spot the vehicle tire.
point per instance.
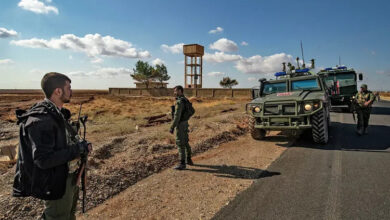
(256, 133)
(320, 129)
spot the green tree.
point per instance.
(143, 72)
(226, 82)
(161, 73)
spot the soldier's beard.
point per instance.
(64, 99)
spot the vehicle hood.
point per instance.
(290, 96)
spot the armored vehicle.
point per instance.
(295, 100)
(343, 84)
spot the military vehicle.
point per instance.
(296, 100)
(343, 82)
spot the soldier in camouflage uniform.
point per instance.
(181, 127)
(364, 100)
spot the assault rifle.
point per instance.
(353, 107)
(82, 171)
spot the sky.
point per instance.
(97, 42)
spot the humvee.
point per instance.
(343, 82)
(296, 100)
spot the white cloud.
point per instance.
(36, 71)
(4, 33)
(70, 57)
(92, 45)
(158, 61)
(216, 74)
(177, 48)
(224, 45)
(220, 57)
(217, 30)
(6, 61)
(37, 6)
(244, 43)
(97, 60)
(107, 72)
(263, 65)
(252, 79)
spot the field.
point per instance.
(130, 137)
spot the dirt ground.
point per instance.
(201, 190)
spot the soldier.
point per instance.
(180, 123)
(364, 100)
(49, 151)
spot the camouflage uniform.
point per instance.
(363, 112)
(181, 130)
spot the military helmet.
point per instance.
(363, 86)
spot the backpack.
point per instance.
(189, 110)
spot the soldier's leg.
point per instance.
(180, 143)
(366, 114)
(187, 146)
(75, 199)
(360, 121)
(61, 209)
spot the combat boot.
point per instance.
(181, 165)
(359, 131)
(189, 161)
(365, 130)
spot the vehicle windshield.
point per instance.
(274, 88)
(342, 76)
(309, 84)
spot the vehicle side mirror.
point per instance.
(360, 76)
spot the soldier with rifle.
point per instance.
(181, 113)
(361, 104)
(50, 151)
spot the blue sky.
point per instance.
(97, 43)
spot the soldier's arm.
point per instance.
(42, 139)
(178, 113)
(371, 99)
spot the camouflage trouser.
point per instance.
(363, 115)
(64, 208)
(182, 141)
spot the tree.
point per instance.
(143, 72)
(161, 73)
(226, 82)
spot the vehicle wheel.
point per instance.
(256, 133)
(320, 130)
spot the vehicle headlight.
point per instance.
(256, 109)
(308, 107)
(316, 105)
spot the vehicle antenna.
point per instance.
(339, 61)
(303, 58)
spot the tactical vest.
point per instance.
(361, 98)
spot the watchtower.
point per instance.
(194, 68)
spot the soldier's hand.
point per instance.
(90, 148)
(84, 147)
(367, 103)
(171, 130)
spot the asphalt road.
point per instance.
(349, 178)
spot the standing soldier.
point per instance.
(49, 151)
(364, 100)
(180, 123)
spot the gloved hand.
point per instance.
(83, 147)
(171, 130)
